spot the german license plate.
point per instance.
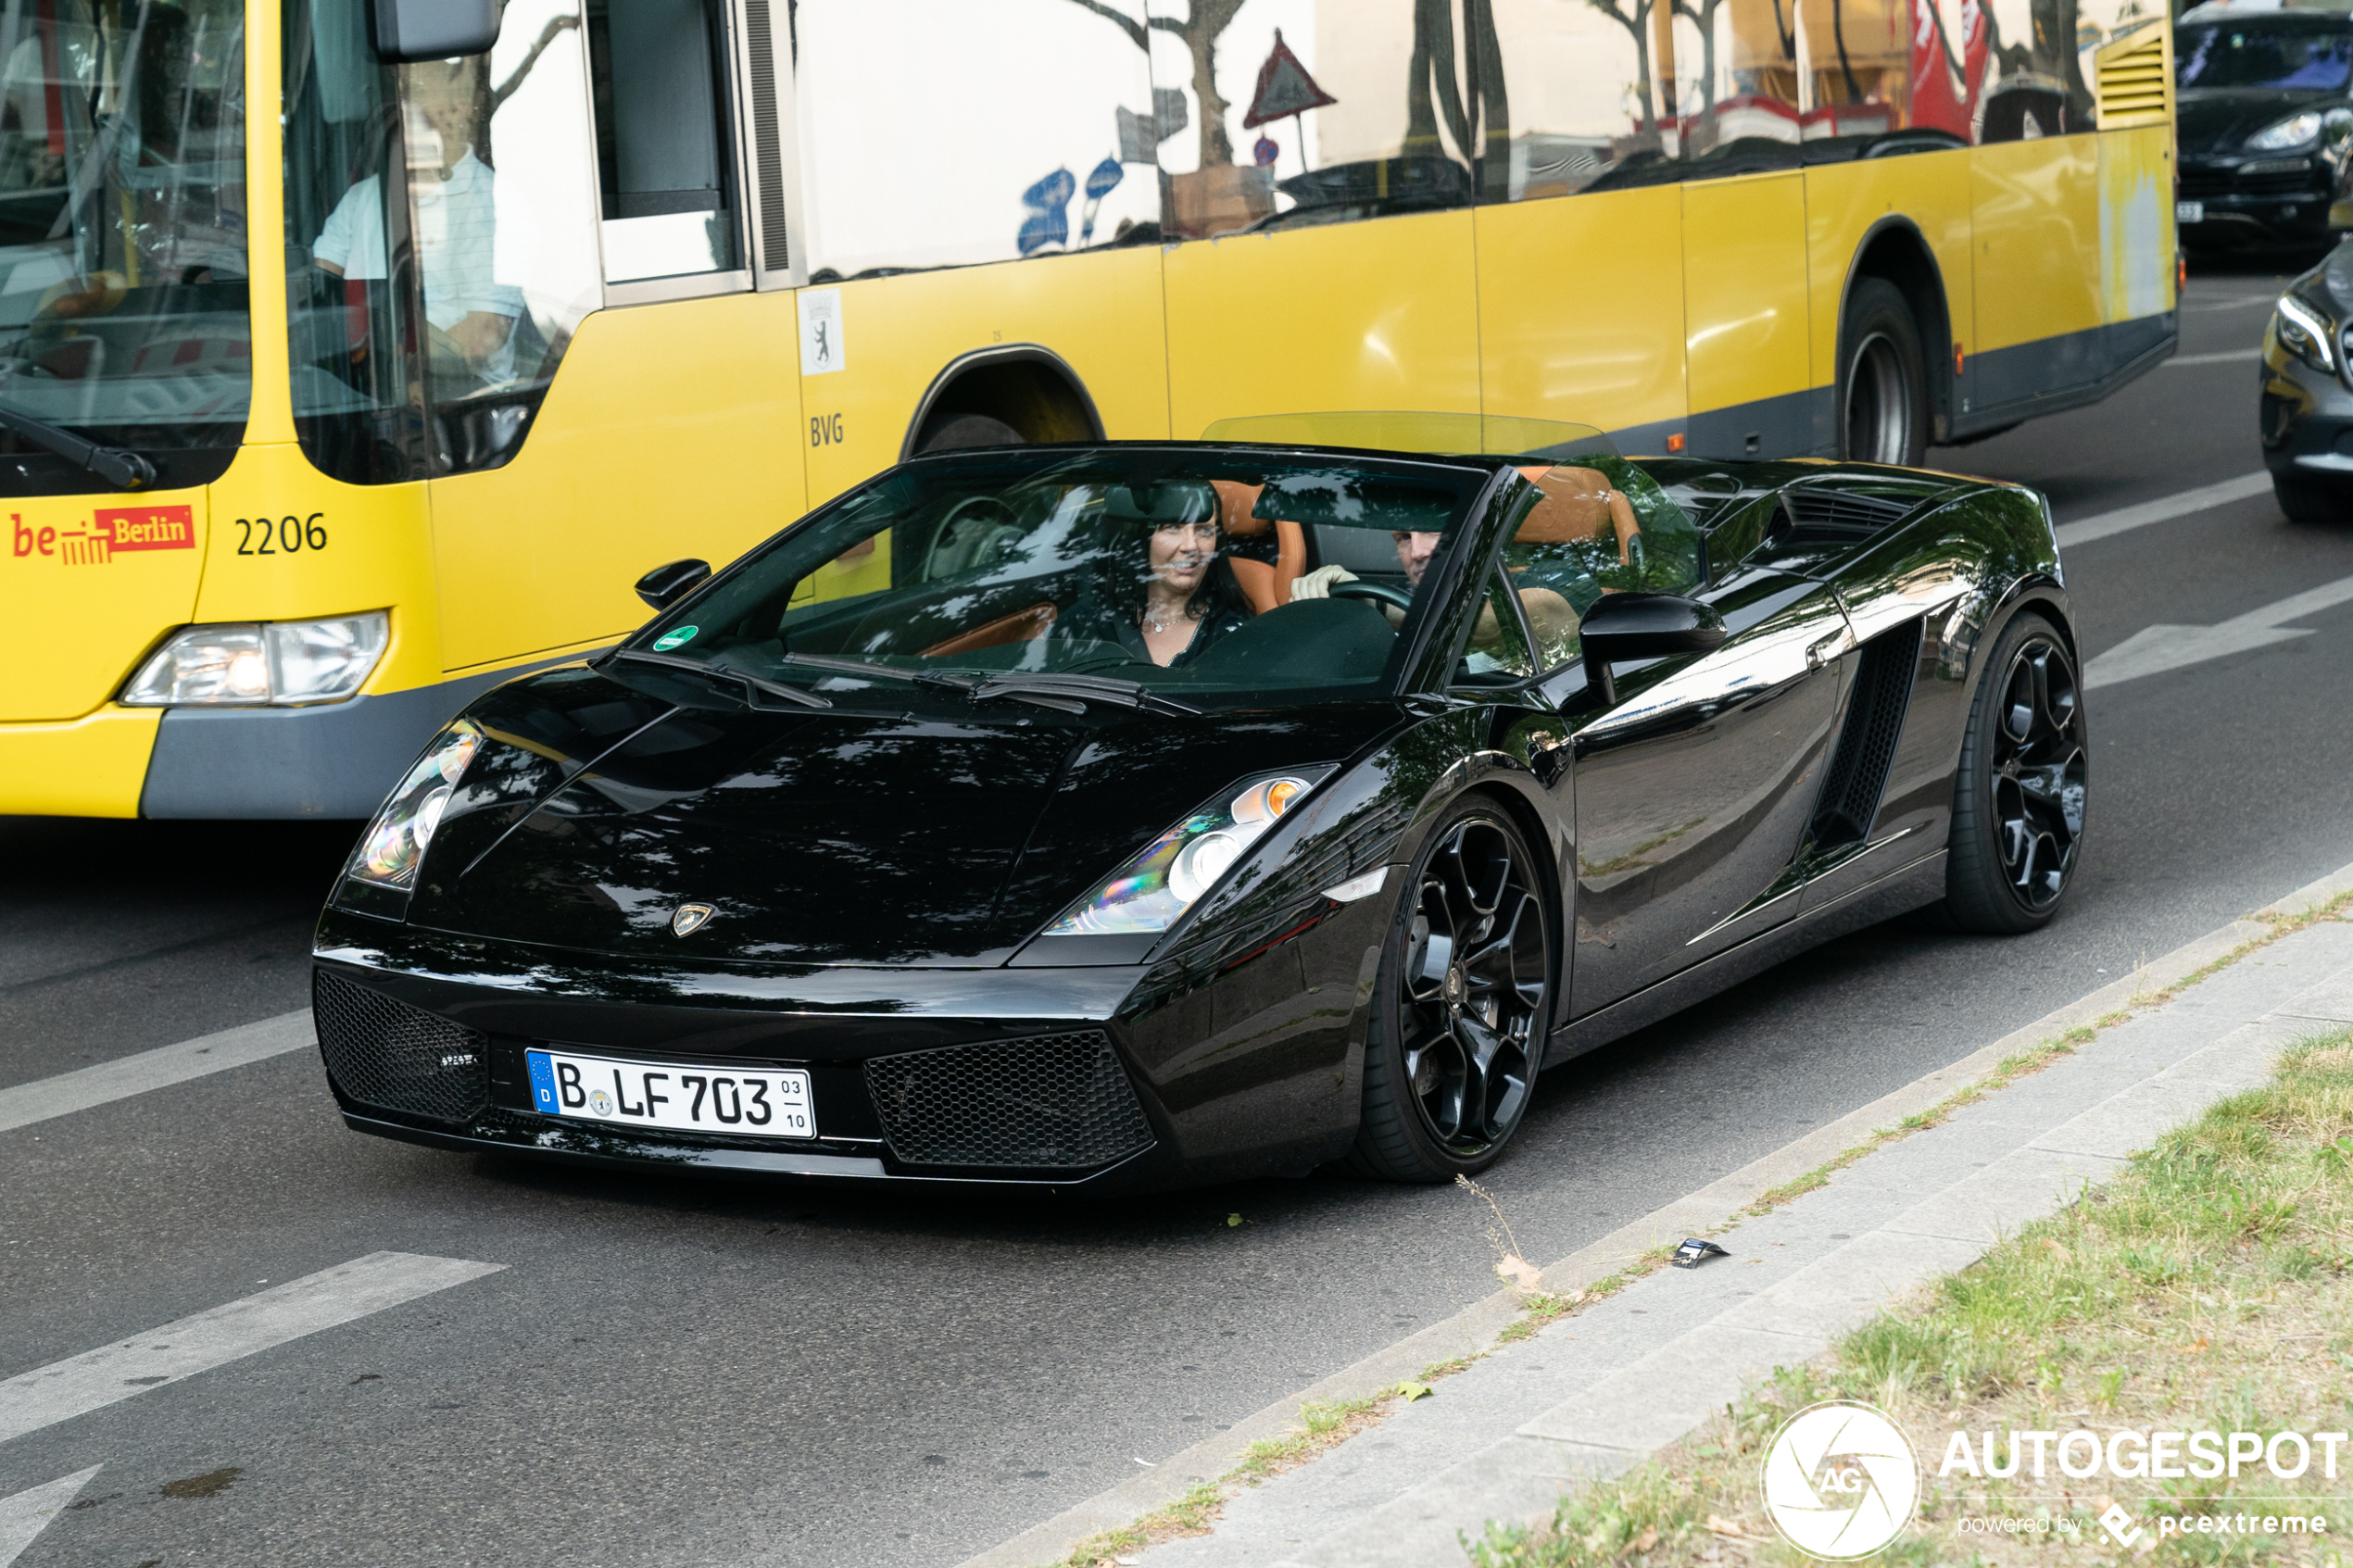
(763, 1102)
(2189, 212)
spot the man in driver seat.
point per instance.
(1577, 503)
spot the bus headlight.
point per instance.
(394, 846)
(278, 663)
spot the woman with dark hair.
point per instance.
(1165, 591)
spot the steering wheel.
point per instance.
(972, 526)
(1388, 593)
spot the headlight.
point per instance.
(280, 663)
(2305, 332)
(2293, 132)
(395, 844)
(1149, 892)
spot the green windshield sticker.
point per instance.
(669, 640)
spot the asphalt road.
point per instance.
(675, 1371)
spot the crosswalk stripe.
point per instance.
(2163, 510)
(29, 1512)
(79, 1090)
(185, 1346)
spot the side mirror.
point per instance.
(433, 29)
(665, 586)
(1626, 626)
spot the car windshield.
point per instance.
(122, 227)
(1204, 575)
(2287, 53)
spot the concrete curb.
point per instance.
(1473, 1328)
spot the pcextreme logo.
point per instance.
(108, 533)
(1841, 1480)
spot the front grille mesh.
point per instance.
(395, 1057)
(1058, 1102)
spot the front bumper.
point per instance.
(2306, 420)
(1089, 1078)
(2263, 209)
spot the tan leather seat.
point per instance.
(1577, 503)
(1263, 585)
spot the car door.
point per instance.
(1694, 792)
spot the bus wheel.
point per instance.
(1882, 389)
(971, 429)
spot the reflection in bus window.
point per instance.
(1317, 113)
(943, 132)
(449, 217)
(663, 153)
(122, 232)
(1591, 96)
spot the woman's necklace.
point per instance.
(1156, 620)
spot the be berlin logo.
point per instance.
(1841, 1480)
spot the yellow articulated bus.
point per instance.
(357, 354)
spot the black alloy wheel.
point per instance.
(1461, 1005)
(1883, 383)
(2018, 808)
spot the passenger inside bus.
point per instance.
(470, 315)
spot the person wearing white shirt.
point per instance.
(454, 193)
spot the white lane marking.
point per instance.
(29, 1512)
(2163, 510)
(165, 1065)
(181, 1349)
(2235, 357)
(2152, 650)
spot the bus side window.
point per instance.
(658, 75)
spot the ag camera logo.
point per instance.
(1841, 1480)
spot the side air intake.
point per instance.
(394, 1057)
(1051, 1102)
(1859, 768)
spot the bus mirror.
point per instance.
(665, 586)
(435, 30)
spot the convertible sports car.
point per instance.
(945, 839)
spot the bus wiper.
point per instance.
(124, 471)
(727, 674)
(1041, 686)
(866, 669)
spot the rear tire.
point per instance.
(962, 431)
(2018, 803)
(2310, 500)
(1883, 381)
(1462, 1004)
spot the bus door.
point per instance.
(1746, 97)
(1324, 208)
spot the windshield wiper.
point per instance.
(862, 668)
(124, 471)
(1041, 686)
(725, 674)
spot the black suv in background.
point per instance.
(2264, 121)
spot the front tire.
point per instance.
(1882, 382)
(1462, 1004)
(2018, 805)
(2310, 500)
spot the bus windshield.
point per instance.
(122, 232)
(1199, 576)
(2287, 53)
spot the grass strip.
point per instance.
(2208, 1286)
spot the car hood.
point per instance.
(2219, 121)
(939, 835)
